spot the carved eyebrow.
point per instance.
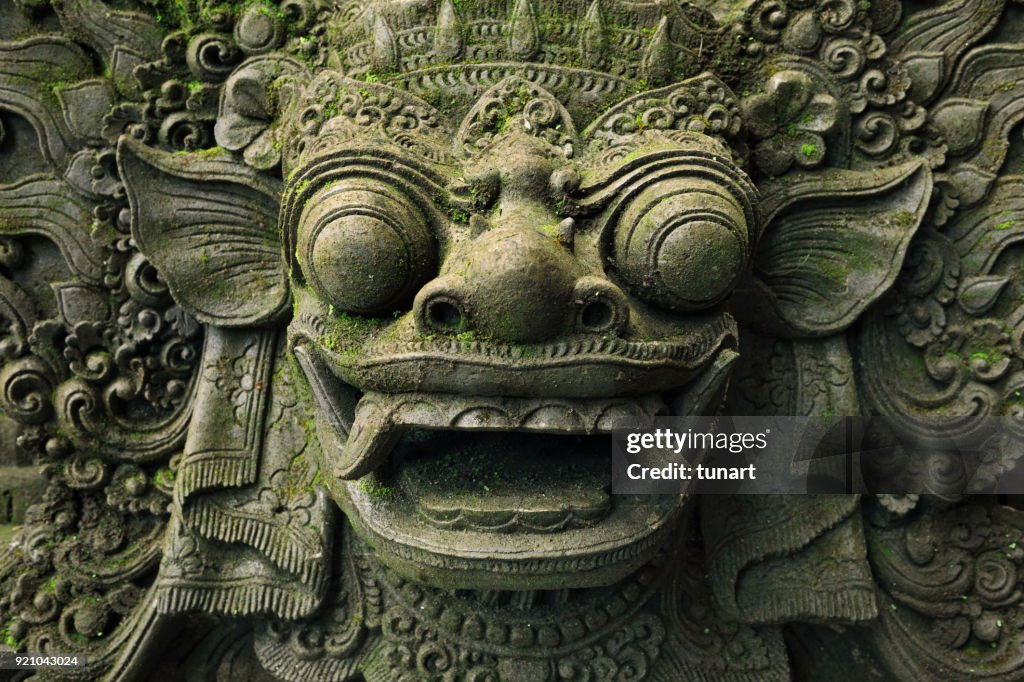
(602, 185)
(422, 181)
(613, 190)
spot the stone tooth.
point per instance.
(524, 32)
(420, 410)
(659, 57)
(448, 34)
(482, 417)
(593, 40)
(613, 416)
(370, 440)
(699, 394)
(554, 419)
(560, 350)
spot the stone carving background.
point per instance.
(144, 364)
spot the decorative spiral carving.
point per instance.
(766, 19)
(433, 659)
(300, 12)
(260, 29)
(144, 282)
(876, 134)
(844, 57)
(944, 472)
(837, 15)
(45, 608)
(25, 387)
(996, 577)
(212, 57)
(81, 473)
(181, 131)
(179, 356)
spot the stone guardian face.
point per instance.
(485, 311)
(317, 316)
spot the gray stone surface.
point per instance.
(8, 441)
(7, 533)
(315, 317)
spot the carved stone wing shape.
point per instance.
(834, 243)
(209, 225)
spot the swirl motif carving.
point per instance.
(860, 199)
(958, 569)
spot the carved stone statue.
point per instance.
(317, 314)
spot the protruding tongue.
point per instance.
(372, 437)
(381, 419)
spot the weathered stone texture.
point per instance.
(315, 317)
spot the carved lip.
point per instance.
(585, 367)
(579, 538)
(381, 419)
(617, 541)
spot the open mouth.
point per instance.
(484, 491)
(505, 510)
(501, 482)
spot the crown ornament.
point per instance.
(588, 56)
(781, 70)
(626, 42)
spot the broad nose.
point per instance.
(518, 285)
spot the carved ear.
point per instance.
(209, 225)
(834, 243)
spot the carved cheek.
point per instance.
(363, 247)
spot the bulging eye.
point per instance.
(682, 243)
(364, 247)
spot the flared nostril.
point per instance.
(596, 316)
(444, 315)
(601, 306)
(440, 306)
